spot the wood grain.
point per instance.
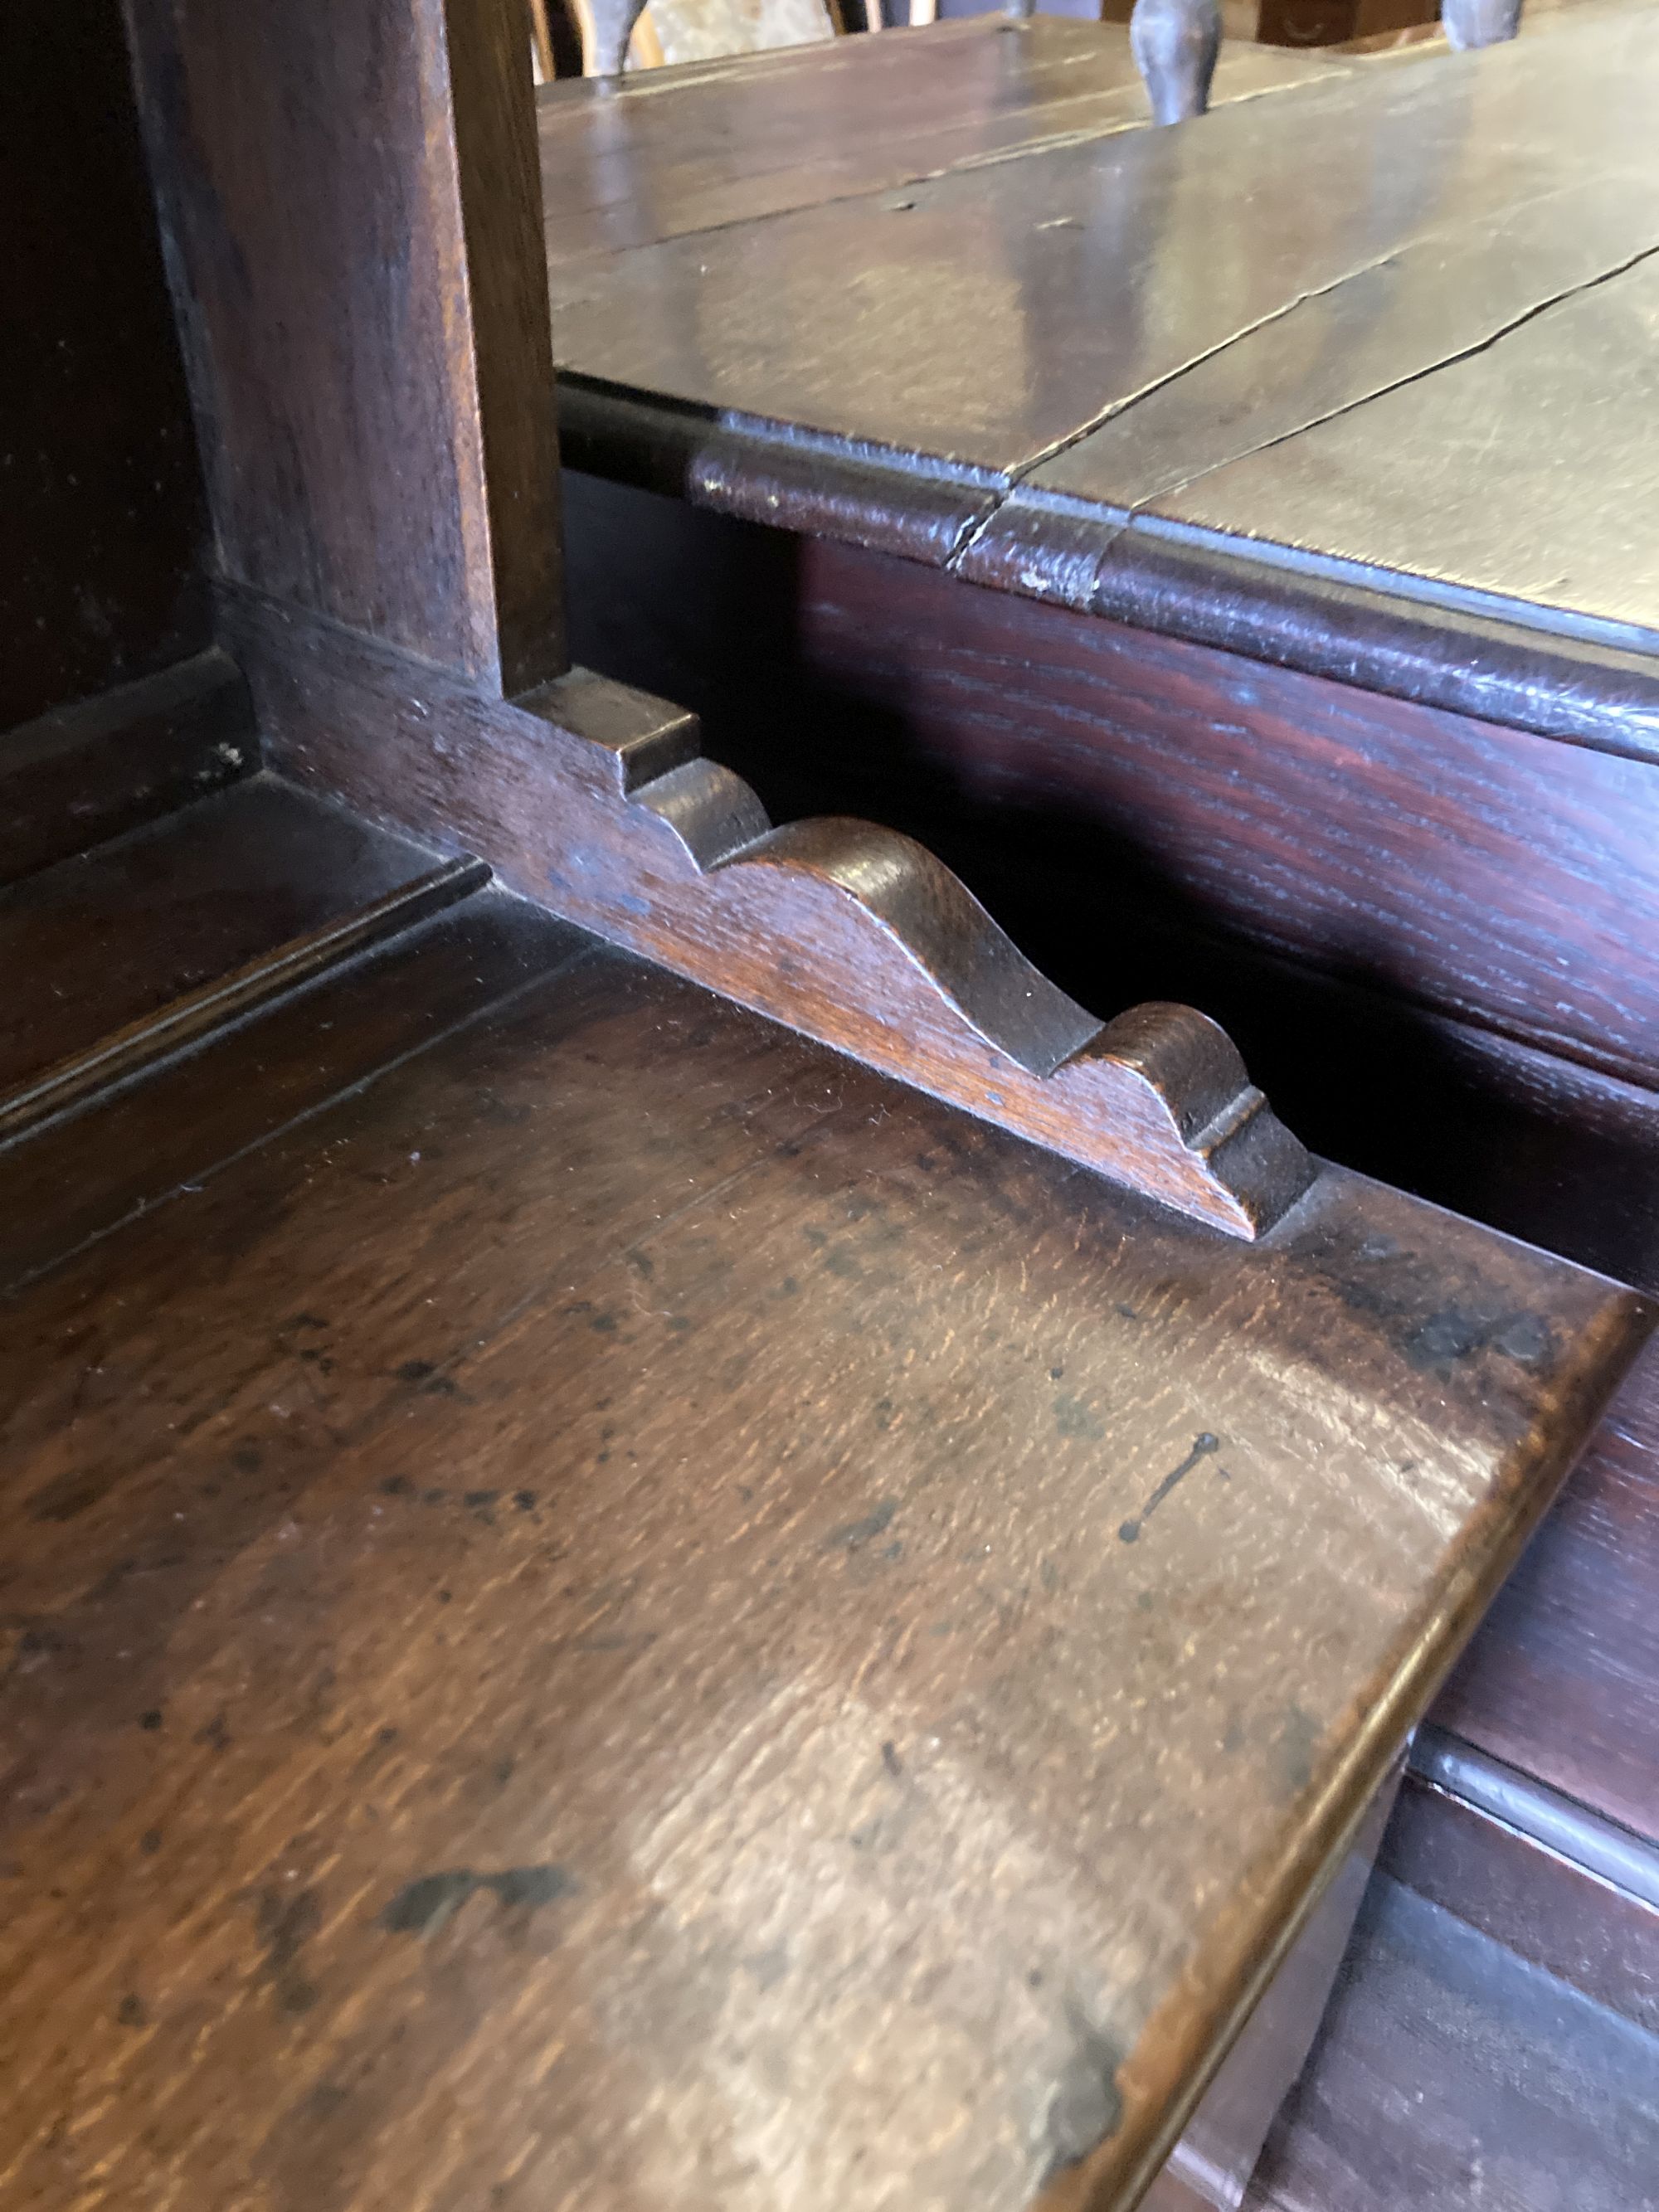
(440, 1732)
(373, 452)
(76, 1181)
(1096, 779)
(83, 774)
(136, 1047)
(596, 800)
(1218, 460)
(1564, 1679)
(1537, 1904)
(1448, 2067)
(112, 937)
(749, 139)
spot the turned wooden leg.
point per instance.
(1471, 23)
(613, 22)
(1175, 43)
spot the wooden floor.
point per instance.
(197, 1621)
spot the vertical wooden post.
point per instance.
(351, 211)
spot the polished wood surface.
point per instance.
(373, 452)
(737, 140)
(104, 940)
(388, 1601)
(1217, 457)
(411, 1296)
(101, 512)
(135, 1046)
(1209, 2167)
(1085, 779)
(339, 1028)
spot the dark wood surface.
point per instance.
(367, 346)
(1483, 872)
(1564, 1679)
(599, 803)
(101, 940)
(693, 148)
(1451, 2074)
(989, 727)
(83, 774)
(338, 1030)
(1093, 781)
(165, 1032)
(389, 1606)
(1536, 1903)
(102, 518)
(1416, 259)
(1486, 1361)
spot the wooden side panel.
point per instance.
(368, 342)
(94, 770)
(1563, 1679)
(752, 137)
(102, 523)
(596, 801)
(1537, 1902)
(500, 179)
(110, 938)
(1451, 2074)
(1056, 759)
(1483, 871)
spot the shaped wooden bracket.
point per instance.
(596, 801)
(383, 469)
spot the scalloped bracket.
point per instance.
(596, 800)
(860, 937)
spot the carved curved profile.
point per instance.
(1174, 44)
(1470, 23)
(596, 800)
(859, 936)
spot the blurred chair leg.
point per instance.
(1174, 44)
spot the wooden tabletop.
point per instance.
(625, 1613)
(1359, 367)
(681, 150)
